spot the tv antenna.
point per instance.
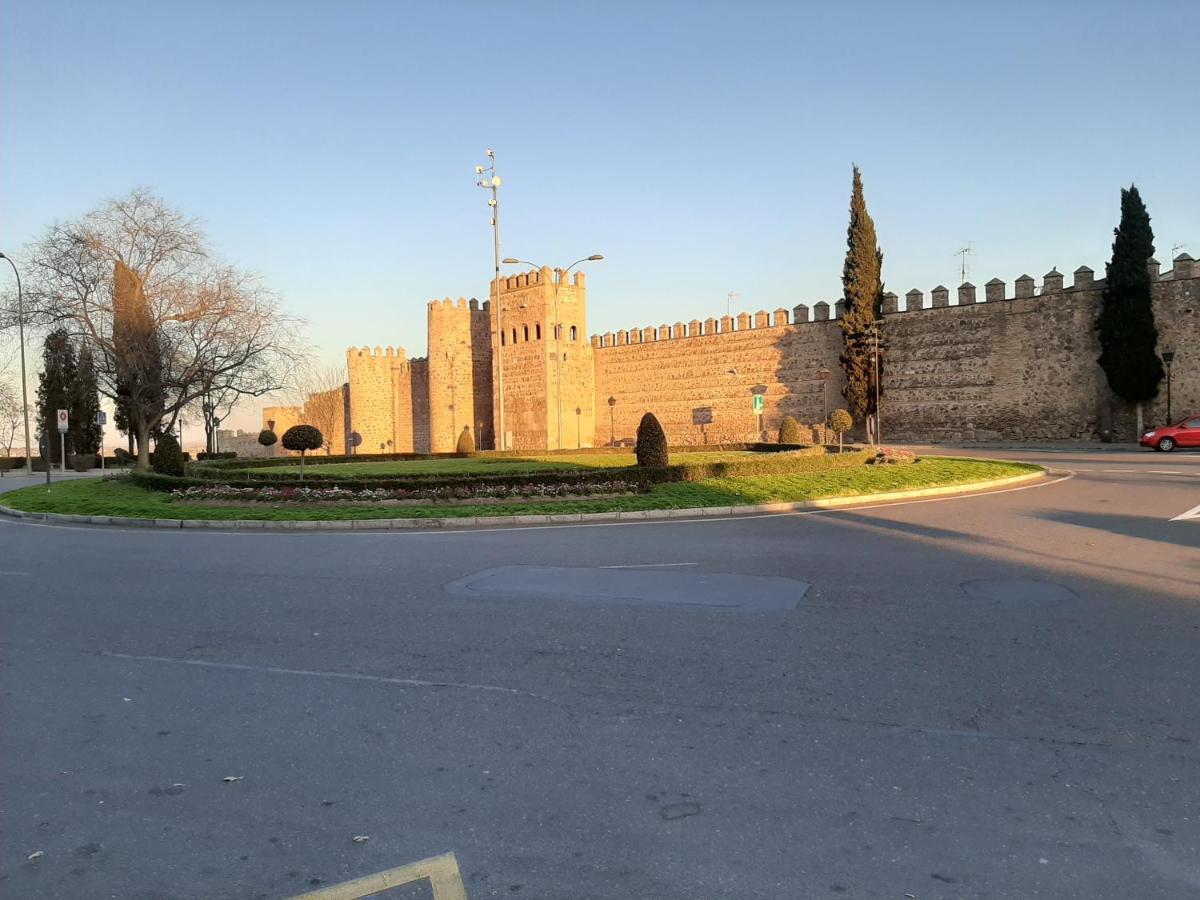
(1177, 247)
(965, 266)
(729, 301)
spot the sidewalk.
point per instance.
(15, 479)
(1039, 446)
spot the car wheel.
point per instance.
(1166, 444)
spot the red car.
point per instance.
(1185, 434)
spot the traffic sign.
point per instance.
(101, 418)
(759, 403)
(62, 420)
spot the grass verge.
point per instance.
(119, 497)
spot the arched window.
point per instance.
(574, 333)
(538, 331)
(526, 330)
(514, 335)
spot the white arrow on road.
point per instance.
(1193, 513)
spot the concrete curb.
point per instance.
(704, 512)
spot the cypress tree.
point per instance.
(85, 403)
(862, 291)
(56, 386)
(1128, 336)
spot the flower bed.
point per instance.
(333, 493)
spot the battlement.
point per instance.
(544, 275)
(376, 353)
(995, 290)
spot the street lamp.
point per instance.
(578, 426)
(1169, 357)
(612, 428)
(873, 333)
(595, 257)
(24, 386)
(492, 183)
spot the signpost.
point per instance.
(101, 420)
(62, 438)
(702, 416)
(760, 404)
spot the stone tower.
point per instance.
(460, 374)
(548, 372)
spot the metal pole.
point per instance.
(62, 452)
(878, 422)
(499, 307)
(1170, 418)
(24, 385)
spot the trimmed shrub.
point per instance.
(223, 454)
(651, 447)
(841, 422)
(302, 438)
(167, 458)
(121, 456)
(267, 437)
(466, 443)
(791, 431)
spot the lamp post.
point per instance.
(595, 257)
(578, 427)
(492, 184)
(24, 386)
(824, 376)
(612, 428)
(1169, 357)
(873, 334)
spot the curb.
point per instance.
(704, 512)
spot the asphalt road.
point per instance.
(992, 696)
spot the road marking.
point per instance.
(311, 673)
(440, 871)
(483, 529)
(7, 572)
(1164, 472)
(648, 566)
(1193, 513)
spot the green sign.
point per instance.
(759, 403)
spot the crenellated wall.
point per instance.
(966, 364)
(1007, 365)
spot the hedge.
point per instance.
(772, 463)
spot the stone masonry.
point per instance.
(1007, 365)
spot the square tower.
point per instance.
(538, 336)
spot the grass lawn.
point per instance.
(119, 497)
(490, 465)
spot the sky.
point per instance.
(703, 148)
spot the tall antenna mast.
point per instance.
(729, 300)
(965, 266)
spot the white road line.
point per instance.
(482, 529)
(1164, 472)
(1193, 513)
(648, 566)
(6, 572)
(311, 673)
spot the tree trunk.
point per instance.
(301, 465)
(143, 446)
(1138, 413)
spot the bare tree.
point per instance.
(169, 324)
(319, 391)
(11, 416)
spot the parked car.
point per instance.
(1185, 434)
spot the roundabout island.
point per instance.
(507, 488)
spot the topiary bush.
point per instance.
(791, 431)
(651, 447)
(840, 422)
(302, 438)
(466, 443)
(167, 458)
(267, 437)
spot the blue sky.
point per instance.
(702, 147)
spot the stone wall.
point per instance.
(673, 371)
(1017, 365)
